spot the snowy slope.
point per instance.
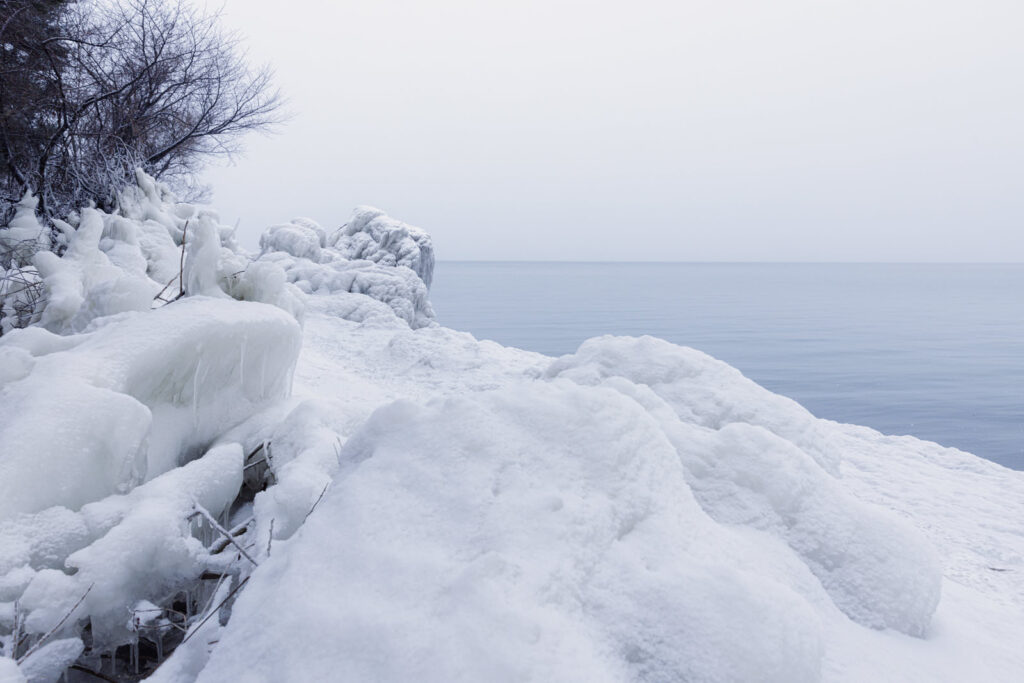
(290, 472)
(509, 531)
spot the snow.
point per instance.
(730, 437)
(408, 502)
(47, 664)
(9, 671)
(497, 520)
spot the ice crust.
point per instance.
(426, 506)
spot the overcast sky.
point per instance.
(721, 130)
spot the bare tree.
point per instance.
(151, 84)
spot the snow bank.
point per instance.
(541, 532)
(738, 444)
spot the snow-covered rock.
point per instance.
(372, 235)
(302, 238)
(372, 255)
(136, 397)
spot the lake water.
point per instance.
(936, 351)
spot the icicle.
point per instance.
(241, 362)
(263, 375)
(195, 393)
(133, 655)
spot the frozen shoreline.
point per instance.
(411, 503)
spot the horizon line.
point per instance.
(741, 263)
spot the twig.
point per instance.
(181, 264)
(270, 536)
(261, 447)
(223, 543)
(215, 610)
(160, 295)
(16, 631)
(227, 534)
(53, 630)
(319, 498)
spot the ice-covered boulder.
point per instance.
(372, 258)
(302, 238)
(136, 397)
(397, 287)
(372, 235)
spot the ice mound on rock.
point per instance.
(373, 256)
(302, 238)
(371, 235)
(733, 438)
(350, 288)
(136, 397)
(538, 532)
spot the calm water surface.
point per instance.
(936, 351)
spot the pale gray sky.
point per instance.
(793, 130)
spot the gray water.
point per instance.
(936, 351)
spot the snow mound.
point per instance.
(700, 389)
(538, 532)
(371, 235)
(744, 469)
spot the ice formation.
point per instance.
(278, 467)
(371, 235)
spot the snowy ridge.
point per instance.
(290, 472)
